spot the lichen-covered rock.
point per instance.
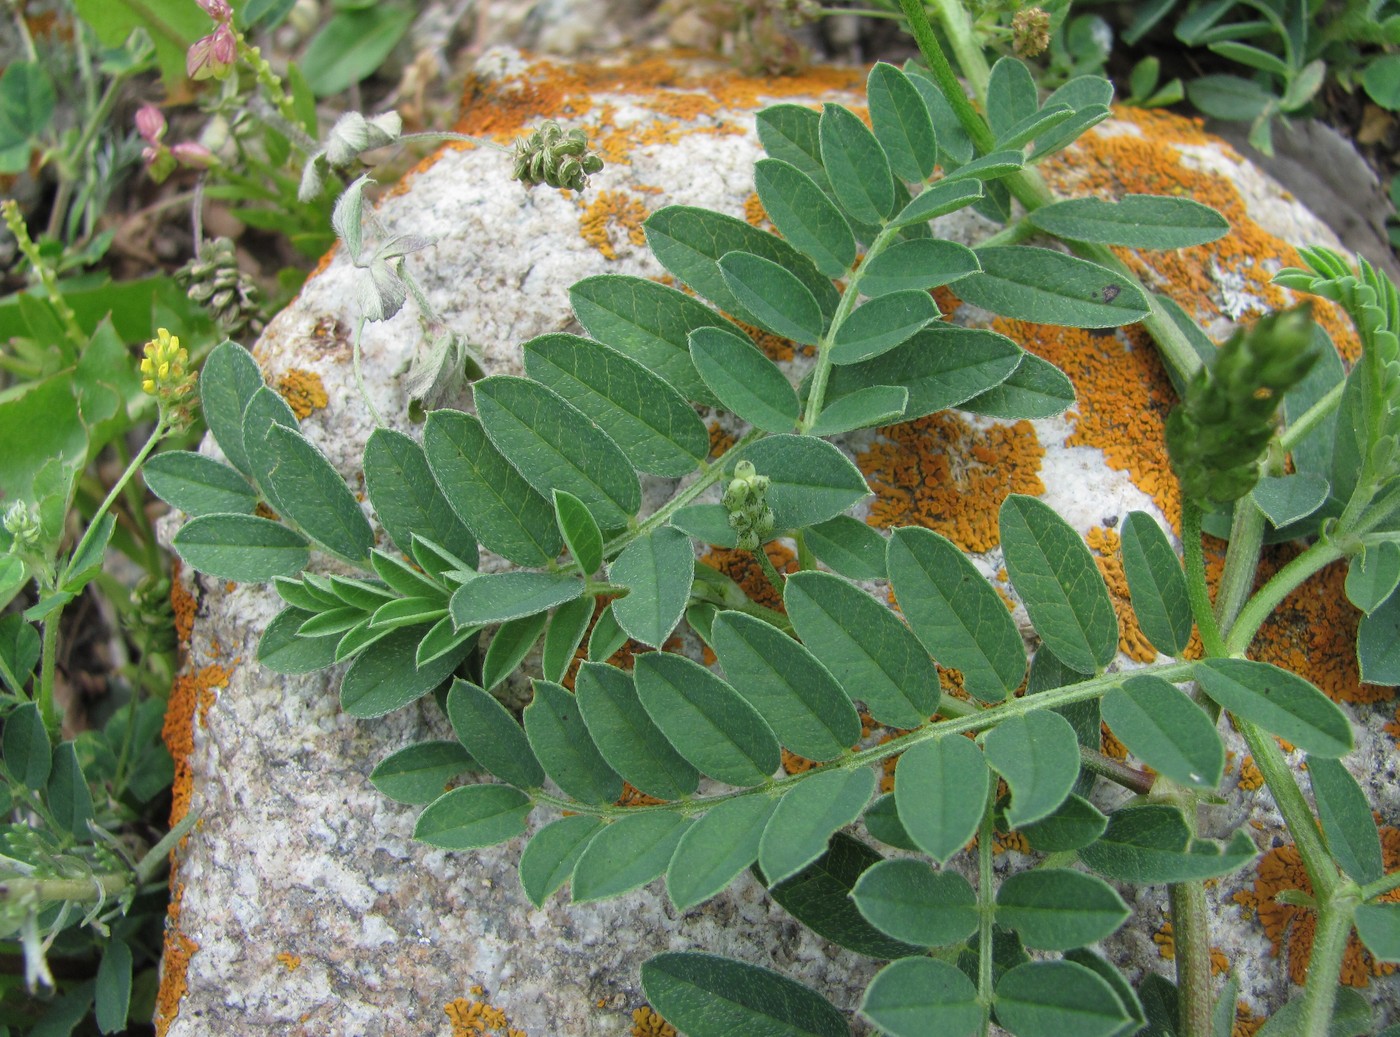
(302, 905)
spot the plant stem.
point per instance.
(359, 376)
(1315, 415)
(76, 890)
(1334, 921)
(268, 80)
(1283, 583)
(15, 222)
(1241, 562)
(438, 136)
(1116, 771)
(766, 564)
(48, 709)
(1191, 937)
(1196, 588)
(986, 902)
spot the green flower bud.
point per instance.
(746, 500)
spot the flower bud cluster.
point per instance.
(166, 375)
(1030, 32)
(1223, 426)
(22, 523)
(552, 156)
(161, 160)
(746, 500)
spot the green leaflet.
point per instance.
(264, 410)
(917, 265)
(791, 132)
(282, 651)
(1054, 998)
(1075, 823)
(508, 648)
(1156, 583)
(707, 721)
(819, 896)
(778, 301)
(627, 853)
(938, 199)
(864, 408)
(811, 480)
(649, 322)
(627, 738)
(1378, 643)
(789, 687)
(955, 613)
(554, 446)
(336, 621)
(27, 757)
(873, 656)
(805, 216)
(935, 791)
(1372, 575)
(490, 496)
(1033, 125)
(915, 997)
(227, 382)
(855, 162)
(407, 499)
(198, 485)
(882, 821)
(703, 995)
(402, 612)
(657, 571)
(649, 420)
(607, 637)
(1038, 755)
(1042, 285)
(1378, 925)
(473, 816)
(389, 678)
(882, 323)
(442, 637)
(241, 548)
(901, 122)
(910, 901)
(1011, 95)
(744, 380)
(689, 242)
(942, 366)
(1166, 730)
(1346, 820)
(112, 1000)
(1135, 221)
(363, 595)
(1289, 498)
(420, 773)
(580, 532)
(808, 815)
(1151, 844)
(563, 637)
(548, 860)
(708, 523)
(69, 798)
(716, 848)
(1056, 908)
(1280, 702)
(1062, 589)
(403, 578)
(492, 735)
(1128, 998)
(315, 497)
(497, 597)
(1036, 389)
(560, 740)
(848, 546)
(989, 167)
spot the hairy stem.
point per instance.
(1196, 588)
(986, 902)
(1241, 562)
(1191, 937)
(1258, 608)
(1334, 920)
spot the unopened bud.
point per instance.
(150, 123)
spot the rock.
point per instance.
(302, 905)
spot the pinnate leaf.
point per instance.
(498, 597)
(1346, 820)
(902, 123)
(810, 480)
(855, 162)
(626, 736)
(406, 497)
(805, 216)
(580, 532)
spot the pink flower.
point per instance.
(150, 124)
(193, 155)
(219, 10)
(212, 56)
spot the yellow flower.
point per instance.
(164, 369)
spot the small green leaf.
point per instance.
(778, 301)
(1346, 820)
(509, 648)
(28, 757)
(13, 577)
(1136, 221)
(902, 123)
(938, 199)
(1151, 844)
(707, 721)
(872, 655)
(1378, 925)
(626, 737)
(564, 747)
(389, 678)
(1049, 287)
(27, 101)
(882, 822)
(563, 637)
(1166, 730)
(626, 854)
(1062, 589)
(849, 547)
(607, 637)
(1038, 755)
(657, 570)
(407, 499)
(716, 848)
(70, 799)
(497, 597)
(790, 688)
(1156, 584)
(442, 637)
(315, 497)
(198, 485)
(808, 815)
(810, 480)
(473, 816)
(1076, 822)
(403, 612)
(419, 773)
(581, 534)
(1055, 909)
(1378, 643)
(352, 45)
(1280, 702)
(1036, 389)
(403, 578)
(912, 902)
(881, 324)
(989, 167)
(112, 998)
(492, 498)
(492, 736)
(744, 380)
(955, 613)
(1034, 125)
(936, 787)
(855, 162)
(703, 995)
(1054, 998)
(548, 860)
(241, 548)
(227, 382)
(917, 265)
(282, 651)
(916, 997)
(708, 523)
(805, 216)
(1289, 498)
(1372, 575)
(792, 133)
(1229, 97)
(265, 410)
(865, 408)
(1011, 94)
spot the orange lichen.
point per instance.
(720, 440)
(613, 215)
(794, 764)
(944, 473)
(469, 1018)
(635, 797)
(183, 604)
(175, 962)
(304, 392)
(1166, 947)
(1004, 841)
(191, 694)
(290, 962)
(743, 569)
(1251, 778)
(1109, 744)
(754, 212)
(1247, 1024)
(1294, 926)
(646, 1023)
(1105, 545)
